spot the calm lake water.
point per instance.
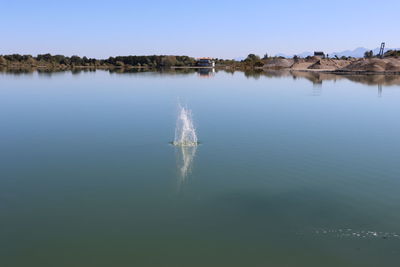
(293, 170)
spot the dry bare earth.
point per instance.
(278, 63)
(329, 64)
(374, 65)
(315, 63)
(312, 63)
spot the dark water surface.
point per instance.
(293, 170)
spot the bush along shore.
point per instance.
(60, 62)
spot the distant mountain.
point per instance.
(282, 55)
(358, 52)
(239, 58)
(304, 54)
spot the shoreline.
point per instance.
(375, 66)
(319, 64)
(227, 68)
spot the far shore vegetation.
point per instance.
(390, 62)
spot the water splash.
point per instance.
(185, 156)
(185, 133)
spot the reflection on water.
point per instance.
(380, 90)
(280, 172)
(184, 160)
(317, 78)
(206, 72)
(317, 89)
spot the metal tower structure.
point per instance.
(381, 51)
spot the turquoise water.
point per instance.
(291, 171)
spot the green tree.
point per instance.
(252, 57)
(44, 57)
(119, 64)
(168, 61)
(76, 60)
(258, 63)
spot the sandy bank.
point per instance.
(313, 64)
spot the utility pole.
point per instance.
(381, 51)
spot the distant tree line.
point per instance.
(154, 61)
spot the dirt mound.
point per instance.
(393, 66)
(329, 64)
(312, 59)
(319, 64)
(323, 64)
(374, 65)
(301, 65)
(278, 63)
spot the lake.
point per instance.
(293, 169)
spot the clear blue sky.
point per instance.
(225, 29)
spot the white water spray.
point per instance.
(185, 156)
(185, 133)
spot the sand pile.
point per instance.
(374, 65)
(278, 63)
(315, 63)
(388, 64)
(329, 64)
(312, 59)
(302, 64)
(393, 65)
(323, 65)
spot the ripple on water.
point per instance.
(351, 233)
